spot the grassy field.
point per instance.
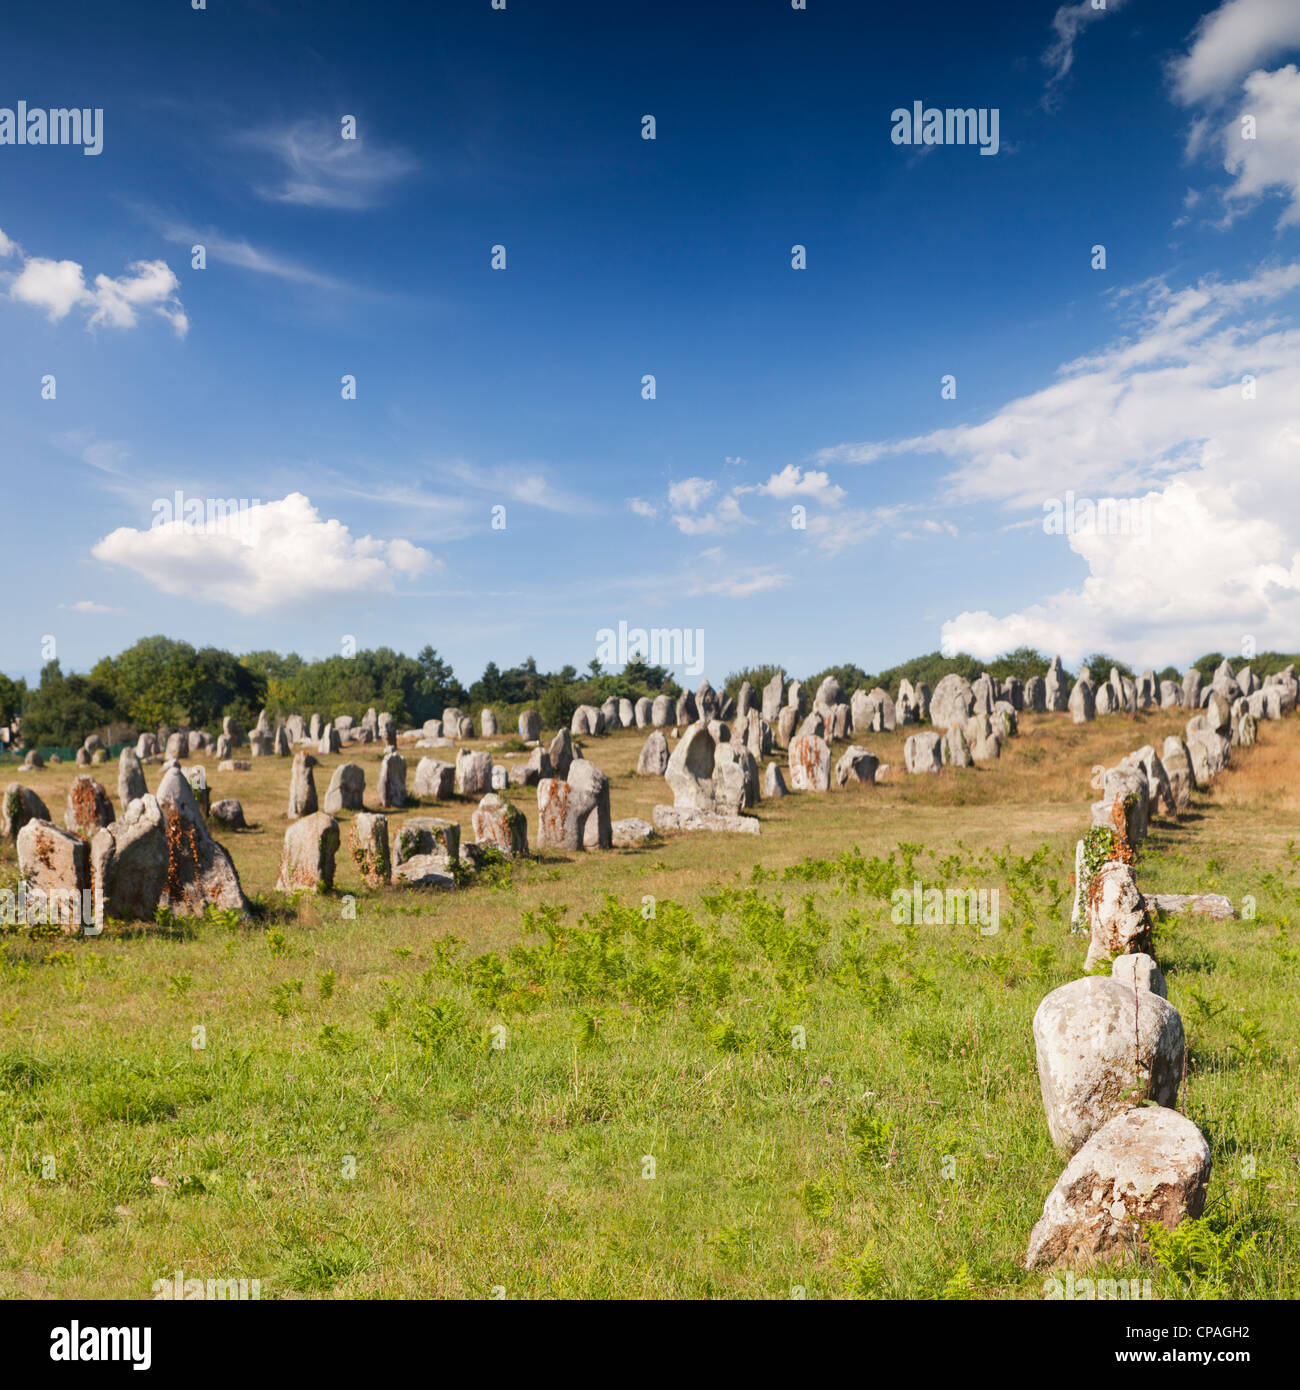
(582, 1076)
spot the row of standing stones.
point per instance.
(1111, 1049)
(713, 774)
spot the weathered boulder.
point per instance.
(199, 871)
(386, 730)
(529, 774)
(89, 808)
(610, 717)
(735, 779)
(500, 777)
(20, 805)
(1115, 913)
(307, 860)
(1199, 904)
(328, 743)
(953, 701)
(661, 711)
(810, 763)
(146, 746)
(435, 779)
(631, 832)
(1106, 700)
(1143, 1167)
(487, 723)
(130, 777)
(954, 749)
(229, 814)
(1159, 787)
(1177, 762)
(641, 712)
(346, 791)
(473, 773)
(235, 765)
(856, 765)
(1056, 687)
(302, 786)
(922, 752)
(773, 697)
(586, 722)
(982, 694)
(561, 753)
(829, 694)
(55, 864)
(1209, 752)
(530, 726)
(392, 782)
(501, 825)
(1103, 1050)
(1082, 705)
(707, 703)
(686, 712)
(773, 782)
(424, 837)
(368, 841)
(129, 861)
(786, 721)
(653, 761)
(678, 818)
(573, 814)
(1035, 695)
(689, 771)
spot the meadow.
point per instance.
(712, 1067)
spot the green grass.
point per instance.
(706, 1069)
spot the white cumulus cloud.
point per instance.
(272, 557)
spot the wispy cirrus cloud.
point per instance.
(318, 168)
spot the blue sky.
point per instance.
(522, 388)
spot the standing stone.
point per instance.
(178, 745)
(199, 871)
(1142, 1168)
(953, 701)
(744, 701)
(983, 694)
(500, 777)
(129, 861)
(530, 773)
(283, 748)
(487, 722)
(773, 782)
(786, 722)
(653, 761)
(1102, 1049)
(856, 765)
(1035, 698)
(435, 779)
(20, 805)
(432, 728)
(146, 746)
(423, 836)
(130, 777)
(641, 712)
(829, 694)
(565, 808)
(954, 749)
(1115, 913)
(224, 747)
(585, 722)
(295, 728)
(774, 697)
(626, 714)
(686, 709)
(259, 745)
(56, 864)
(810, 763)
(344, 724)
(735, 778)
(314, 729)
(473, 773)
(347, 788)
(610, 718)
(88, 808)
(1178, 768)
(1083, 708)
(501, 825)
(661, 711)
(1192, 688)
(386, 730)
(308, 857)
(561, 754)
(302, 786)
(530, 726)
(1056, 688)
(1139, 971)
(392, 782)
(368, 841)
(922, 752)
(329, 741)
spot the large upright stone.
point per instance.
(1056, 687)
(641, 712)
(561, 753)
(573, 814)
(89, 808)
(774, 697)
(1192, 688)
(530, 773)
(20, 805)
(857, 766)
(392, 782)
(653, 761)
(1083, 707)
(1035, 698)
(661, 711)
(129, 861)
(473, 773)
(435, 779)
(502, 826)
(1116, 915)
(55, 864)
(1102, 1049)
(307, 860)
(487, 723)
(530, 726)
(922, 752)
(199, 871)
(810, 763)
(130, 777)
(953, 701)
(302, 786)
(1178, 768)
(346, 791)
(368, 841)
